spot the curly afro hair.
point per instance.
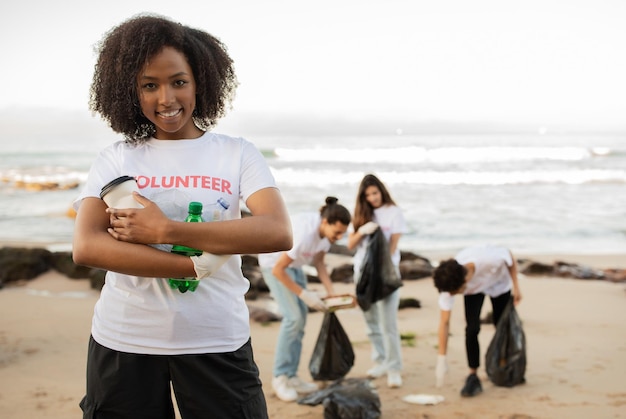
(124, 51)
(449, 276)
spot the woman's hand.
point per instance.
(517, 296)
(138, 225)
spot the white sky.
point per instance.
(490, 60)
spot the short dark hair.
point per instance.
(125, 50)
(449, 276)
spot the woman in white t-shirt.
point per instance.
(474, 272)
(162, 86)
(375, 208)
(313, 233)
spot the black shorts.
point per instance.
(135, 386)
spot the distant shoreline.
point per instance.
(603, 260)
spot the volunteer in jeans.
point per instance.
(313, 233)
(474, 272)
(375, 208)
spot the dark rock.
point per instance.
(615, 275)
(404, 255)
(252, 271)
(312, 279)
(409, 303)
(415, 268)
(96, 278)
(339, 249)
(570, 270)
(534, 268)
(262, 315)
(62, 262)
(343, 273)
(249, 260)
(562, 269)
(22, 263)
(488, 319)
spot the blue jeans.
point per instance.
(294, 312)
(382, 325)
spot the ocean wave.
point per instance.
(311, 177)
(442, 155)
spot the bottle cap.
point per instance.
(223, 203)
(195, 208)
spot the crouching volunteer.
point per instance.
(474, 272)
(313, 233)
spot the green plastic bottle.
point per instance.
(191, 283)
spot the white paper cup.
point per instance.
(118, 193)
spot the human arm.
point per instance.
(322, 273)
(517, 294)
(444, 330)
(355, 237)
(393, 242)
(267, 230)
(279, 271)
(94, 246)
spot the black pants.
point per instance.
(473, 306)
(123, 385)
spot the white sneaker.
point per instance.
(394, 379)
(301, 386)
(283, 390)
(378, 370)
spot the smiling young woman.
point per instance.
(163, 85)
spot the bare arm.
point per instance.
(353, 239)
(444, 331)
(267, 230)
(322, 273)
(279, 271)
(94, 246)
(517, 294)
(393, 242)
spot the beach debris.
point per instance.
(423, 399)
(350, 398)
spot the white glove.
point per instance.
(367, 228)
(312, 300)
(441, 369)
(207, 263)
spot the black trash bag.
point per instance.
(333, 356)
(378, 277)
(506, 355)
(350, 398)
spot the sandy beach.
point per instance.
(575, 332)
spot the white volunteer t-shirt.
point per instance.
(391, 221)
(491, 276)
(306, 242)
(144, 315)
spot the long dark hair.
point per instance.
(363, 211)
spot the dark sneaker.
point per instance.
(472, 386)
